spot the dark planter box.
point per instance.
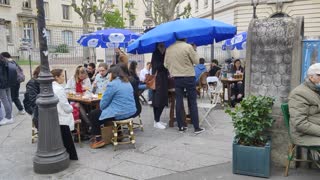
(251, 160)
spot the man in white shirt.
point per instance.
(144, 72)
(142, 76)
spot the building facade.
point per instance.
(240, 13)
(64, 25)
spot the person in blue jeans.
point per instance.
(7, 70)
(179, 60)
(117, 104)
(16, 86)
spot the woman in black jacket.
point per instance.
(134, 81)
(237, 89)
(160, 94)
(30, 96)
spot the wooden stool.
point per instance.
(77, 127)
(138, 124)
(34, 133)
(130, 135)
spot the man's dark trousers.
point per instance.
(189, 84)
(15, 96)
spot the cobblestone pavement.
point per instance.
(159, 154)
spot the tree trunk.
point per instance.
(86, 51)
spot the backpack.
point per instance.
(20, 76)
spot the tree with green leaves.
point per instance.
(113, 19)
(129, 6)
(165, 10)
(85, 10)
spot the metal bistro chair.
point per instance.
(34, 133)
(214, 89)
(141, 97)
(292, 155)
(77, 124)
(202, 85)
(138, 123)
(129, 135)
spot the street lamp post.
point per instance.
(51, 156)
(254, 3)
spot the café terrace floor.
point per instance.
(160, 154)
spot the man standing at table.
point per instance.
(179, 60)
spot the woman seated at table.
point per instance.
(100, 82)
(237, 89)
(134, 81)
(117, 104)
(80, 83)
(133, 73)
(66, 120)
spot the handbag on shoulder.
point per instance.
(151, 81)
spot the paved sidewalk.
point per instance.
(162, 154)
(158, 152)
(224, 172)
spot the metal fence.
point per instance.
(219, 54)
(62, 45)
(63, 48)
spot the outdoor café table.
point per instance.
(87, 101)
(172, 100)
(227, 83)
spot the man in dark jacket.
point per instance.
(16, 84)
(6, 70)
(214, 68)
(91, 70)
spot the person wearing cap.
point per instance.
(304, 109)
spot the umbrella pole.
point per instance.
(105, 55)
(114, 60)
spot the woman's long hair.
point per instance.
(116, 71)
(79, 70)
(234, 65)
(36, 72)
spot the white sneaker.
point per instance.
(163, 123)
(158, 125)
(6, 121)
(22, 112)
(3, 122)
(150, 102)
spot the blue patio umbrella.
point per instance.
(238, 41)
(197, 30)
(108, 38)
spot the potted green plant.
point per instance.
(252, 147)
